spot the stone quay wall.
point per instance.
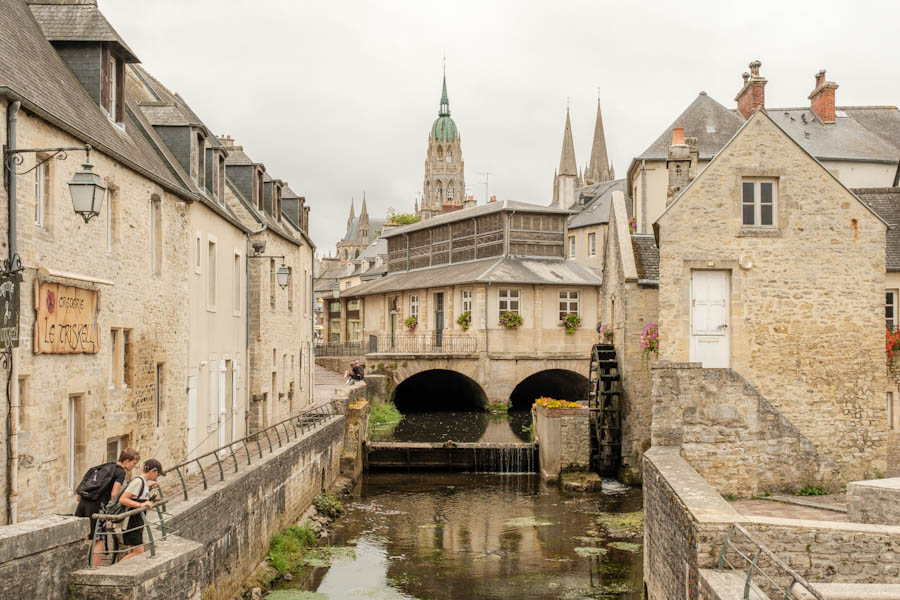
(731, 434)
(564, 440)
(874, 501)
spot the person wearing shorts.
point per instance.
(137, 495)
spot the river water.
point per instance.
(457, 536)
(463, 427)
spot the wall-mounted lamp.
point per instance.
(283, 274)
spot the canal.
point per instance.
(453, 536)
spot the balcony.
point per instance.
(435, 343)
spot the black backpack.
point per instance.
(96, 482)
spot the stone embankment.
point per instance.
(220, 533)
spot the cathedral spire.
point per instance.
(567, 159)
(598, 167)
(445, 103)
(362, 211)
(352, 215)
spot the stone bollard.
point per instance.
(564, 440)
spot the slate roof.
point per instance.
(883, 121)
(845, 139)
(376, 248)
(598, 198)
(32, 70)
(475, 211)
(707, 120)
(521, 271)
(76, 21)
(886, 202)
(237, 157)
(287, 192)
(646, 257)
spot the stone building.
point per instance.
(451, 281)
(738, 289)
(859, 144)
(155, 288)
(444, 189)
(361, 232)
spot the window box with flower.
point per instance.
(571, 322)
(510, 320)
(606, 333)
(464, 320)
(411, 323)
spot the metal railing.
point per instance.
(109, 534)
(435, 343)
(339, 349)
(786, 577)
(196, 472)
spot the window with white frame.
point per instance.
(41, 192)
(568, 303)
(201, 160)
(571, 246)
(592, 244)
(890, 309)
(467, 301)
(758, 202)
(414, 306)
(509, 301)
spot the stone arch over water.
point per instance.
(561, 384)
(439, 390)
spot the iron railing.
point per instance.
(339, 349)
(435, 343)
(109, 532)
(196, 472)
(778, 582)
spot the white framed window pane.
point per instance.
(890, 309)
(748, 200)
(592, 243)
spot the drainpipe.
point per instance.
(13, 388)
(643, 196)
(487, 346)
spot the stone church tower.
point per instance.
(598, 169)
(445, 185)
(566, 180)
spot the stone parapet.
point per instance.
(874, 501)
(353, 455)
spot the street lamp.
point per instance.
(86, 188)
(282, 275)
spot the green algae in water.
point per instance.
(325, 556)
(626, 546)
(588, 551)
(295, 595)
(527, 522)
(622, 524)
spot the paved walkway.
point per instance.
(782, 510)
(325, 382)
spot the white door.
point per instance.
(192, 413)
(710, 307)
(223, 415)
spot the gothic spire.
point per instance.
(363, 211)
(352, 215)
(598, 167)
(567, 158)
(445, 103)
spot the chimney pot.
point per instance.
(821, 100)
(754, 68)
(493, 199)
(677, 136)
(745, 76)
(752, 95)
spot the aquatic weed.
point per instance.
(286, 547)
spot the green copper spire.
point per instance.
(445, 104)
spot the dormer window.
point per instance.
(112, 92)
(201, 160)
(277, 203)
(220, 178)
(260, 189)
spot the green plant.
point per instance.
(327, 504)
(511, 320)
(606, 333)
(465, 320)
(411, 322)
(383, 418)
(571, 322)
(811, 490)
(395, 218)
(286, 547)
(729, 497)
(554, 403)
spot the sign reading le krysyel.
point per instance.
(66, 320)
(9, 310)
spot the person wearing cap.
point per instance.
(137, 495)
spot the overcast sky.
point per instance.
(338, 97)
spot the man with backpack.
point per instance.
(137, 495)
(100, 484)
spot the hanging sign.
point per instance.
(9, 310)
(66, 321)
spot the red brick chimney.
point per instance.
(821, 100)
(753, 94)
(493, 199)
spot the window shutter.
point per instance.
(211, 395)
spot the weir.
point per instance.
(451, 456)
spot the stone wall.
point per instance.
(806, 297)
(685, 522)
(564, 440)
(338, 364)
(628, 306)
(353, 453)
(874, 501)
(732, 435)
(37, 556)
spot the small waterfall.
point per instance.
(504, 458)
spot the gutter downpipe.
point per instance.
(643, 196)
(13, 389)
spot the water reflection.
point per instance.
(449, 537)
(466, 427)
